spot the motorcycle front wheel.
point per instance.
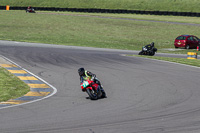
(92, 94)
(140, 53)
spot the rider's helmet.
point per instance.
(152, 44)
(81, 71)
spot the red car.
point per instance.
(187, 41)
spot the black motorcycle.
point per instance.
(148, 50)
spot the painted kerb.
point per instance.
(39, 89)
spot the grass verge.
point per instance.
(191, 62)
(10, 86)
(89, 30)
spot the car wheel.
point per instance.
(176, 47)
(187, 47)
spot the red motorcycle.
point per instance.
(92, 89)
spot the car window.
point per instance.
(180, 38)
(195, 38)
(190, 38)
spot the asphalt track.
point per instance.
(144, 96)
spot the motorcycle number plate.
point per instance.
(85, 84)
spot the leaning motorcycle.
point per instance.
(92, 89)
(148, 51)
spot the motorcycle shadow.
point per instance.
(97, 99)
(87, 98)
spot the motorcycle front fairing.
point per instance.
(144, 48)
(89, 84)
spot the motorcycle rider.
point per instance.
(150, 46)
(29, 8)
(84, 75)
(148, 50)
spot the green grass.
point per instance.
(160, 5)
(73, 29)
(10, 86)
(181, 19)
(191, 62)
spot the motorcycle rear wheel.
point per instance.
(152, 54)
(91, 94)
(103, 95)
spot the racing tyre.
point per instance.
(103, 95)
(140, 53)
(152, 54)
(92, 94)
